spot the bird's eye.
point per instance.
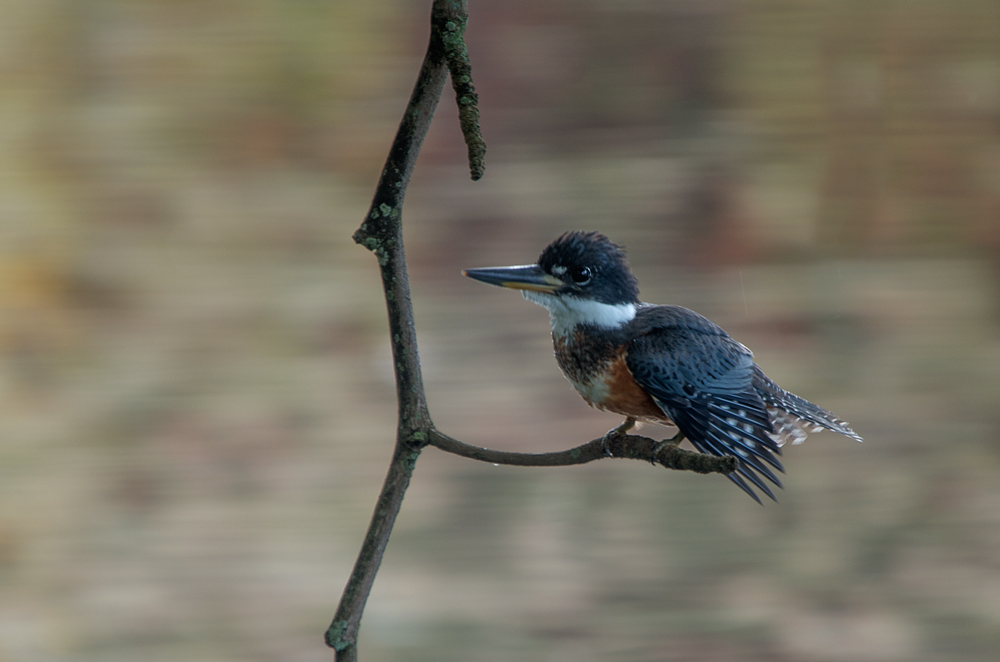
(580, 275)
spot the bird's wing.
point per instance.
(703, 380)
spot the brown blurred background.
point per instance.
(196, 401)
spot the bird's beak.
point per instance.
(529, 277)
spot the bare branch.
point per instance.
(381, 233)
(628, 446)
(343, 631)
(465, 93)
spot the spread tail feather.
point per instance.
(792, 417)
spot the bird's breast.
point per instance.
(598, 371)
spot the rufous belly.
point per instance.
(615, 390)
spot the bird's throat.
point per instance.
(567, 312)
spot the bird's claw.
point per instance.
(660, 445)
(614, 434)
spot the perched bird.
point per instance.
(663, 364)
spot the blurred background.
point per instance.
(196, 397)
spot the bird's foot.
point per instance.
(614, 434)
(660, 445)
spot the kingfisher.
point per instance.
(660, 364)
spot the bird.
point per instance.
(660, 363)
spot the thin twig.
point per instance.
(460, 68)
(633, 447)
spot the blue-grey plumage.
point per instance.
(661, 363)
(710, 387)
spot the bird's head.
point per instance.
(580, 278)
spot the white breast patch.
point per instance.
(594, 392)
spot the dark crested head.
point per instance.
(591, 267)
(581, 278)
